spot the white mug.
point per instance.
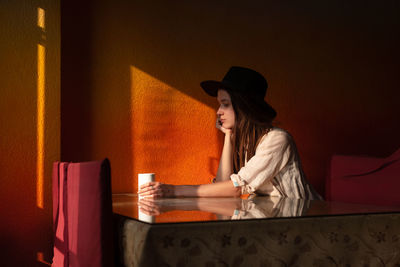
(144, 178)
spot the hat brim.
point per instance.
(211, 87)
(267, 107)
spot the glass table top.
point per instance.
(176, 210)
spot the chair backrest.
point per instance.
(82, 214)
(364, 180)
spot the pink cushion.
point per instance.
(86, 215)
(366, 180)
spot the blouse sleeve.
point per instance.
(272, 154)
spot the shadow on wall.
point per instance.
(29, 108)
(331, 68)
(76, 76)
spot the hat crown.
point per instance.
(247, 81)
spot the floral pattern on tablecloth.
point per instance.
(353, 240)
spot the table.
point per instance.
(254, 231)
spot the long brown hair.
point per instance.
(252, 122)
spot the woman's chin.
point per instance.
(227, 126)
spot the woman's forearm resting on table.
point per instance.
(219, 189)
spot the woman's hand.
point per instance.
(156, 190)
(218, 124)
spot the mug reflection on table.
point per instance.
(145, 212)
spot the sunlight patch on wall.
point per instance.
(41, 79)
(41, 18)
(173, 134)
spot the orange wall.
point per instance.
(30, 128)
(332, 70)
(169, 133)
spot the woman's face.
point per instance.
(225, 112)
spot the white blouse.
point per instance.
(275, 169)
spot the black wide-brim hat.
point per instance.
(246, 82)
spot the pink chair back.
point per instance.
(82, 214)
(364, 180)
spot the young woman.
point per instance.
(256, 157)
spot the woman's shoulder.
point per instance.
(278, 134)
(276, 137)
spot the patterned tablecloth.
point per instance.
(303, 238)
